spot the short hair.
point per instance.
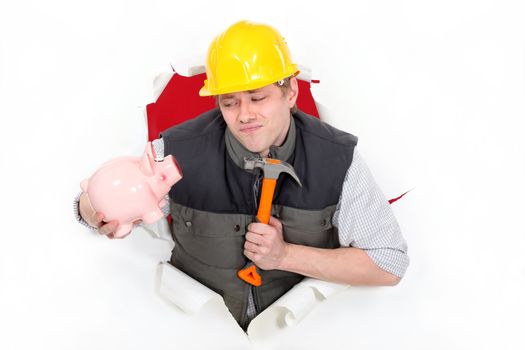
(284, 85)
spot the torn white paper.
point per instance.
(183, 291)
(292, 307)
(192, 297)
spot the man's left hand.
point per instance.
(265, 245)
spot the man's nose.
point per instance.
(246, 113)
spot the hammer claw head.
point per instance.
(287, 168)
(271, 167)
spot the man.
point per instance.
(336, 227)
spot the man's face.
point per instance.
(259, 118)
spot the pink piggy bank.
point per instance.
(127, 189)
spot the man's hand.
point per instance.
(95, 219)
(265, 245)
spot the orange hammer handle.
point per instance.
(250, 273)
(265, 205)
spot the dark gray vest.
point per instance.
(216, 200)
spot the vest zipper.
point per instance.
(255, 300)
(256, 186)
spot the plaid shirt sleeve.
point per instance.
(366, 221)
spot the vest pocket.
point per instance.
(308, 227)
(212, 238)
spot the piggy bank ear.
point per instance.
(146, 162)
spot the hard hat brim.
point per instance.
(204, 91)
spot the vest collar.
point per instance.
(238, 152)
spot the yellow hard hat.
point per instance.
(246, 56)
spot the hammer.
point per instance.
(271, 168)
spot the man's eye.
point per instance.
(257, 99)
(228, 104)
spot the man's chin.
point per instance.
(254, 148)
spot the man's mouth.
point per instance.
(250, 129)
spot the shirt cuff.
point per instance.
(76, 211)
(390, 260)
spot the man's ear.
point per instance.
(293, 92)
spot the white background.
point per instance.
(435, 91)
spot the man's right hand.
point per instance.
(95, 219)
